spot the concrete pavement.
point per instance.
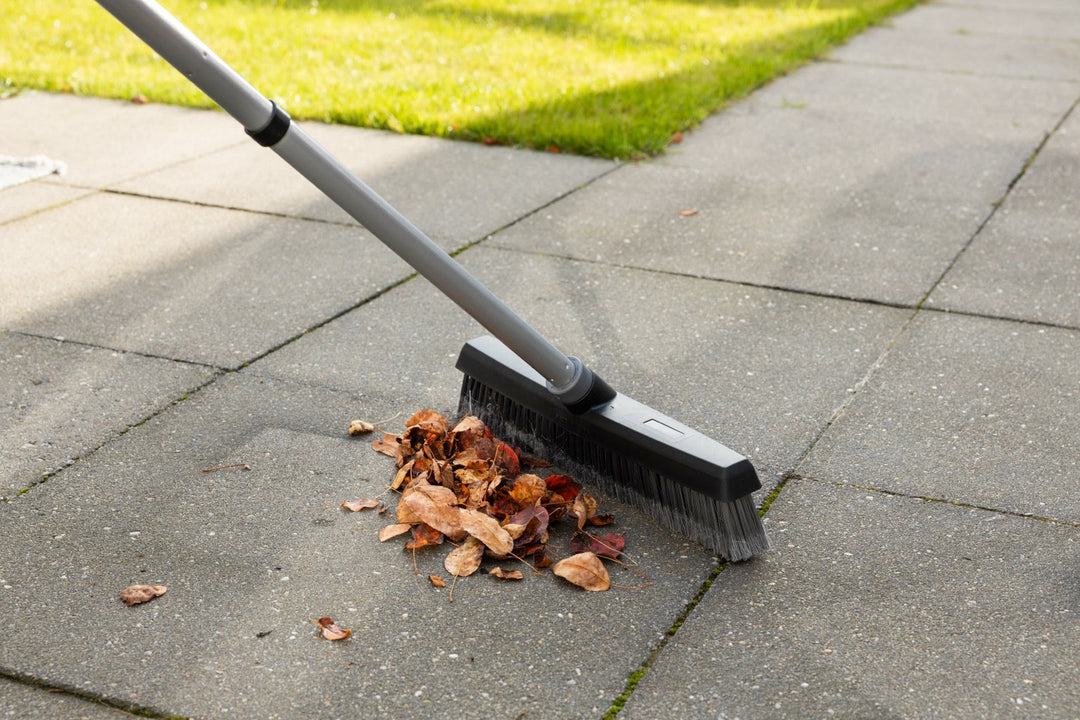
(877, 300)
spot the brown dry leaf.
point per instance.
(688, 213)
(135, 594)
(390, 445)
(331, 630)
(404, 514)
(464, 560)
(423, 535)
(391, 531)
(402, 474)
(360, 427)
(361, 504)
(436, 581)
(528, 490)
(434, 504)
(584, 507)
(584, 570)
(506, 574)
(487, 530)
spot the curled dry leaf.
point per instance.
(583, 509)
(487, 530)
(135, 594)
(584, 570)
(361, 504)
(331, 630)
(464, 560)
(436, 581)
(360, 427)
(528, 490)
(391, 531)
(506, 574)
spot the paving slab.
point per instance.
(830, 181)
(182, 281)
(63, 400)
(250, 557)
(1025, 263)
(26, 701)
(1041, 19)
(455, 192)
(32, 197)
(761, 371)
(1018, 56)
(874, 605)
(969, 410)
(106, 141)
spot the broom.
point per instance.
(521, 385)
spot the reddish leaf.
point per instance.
(564, 486)
(601, 520)
(331, 630)
(507, 460)
(610, 545)
(423, 536)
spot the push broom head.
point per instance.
(686, 481)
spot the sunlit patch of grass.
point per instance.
(614, 78)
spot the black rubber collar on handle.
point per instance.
(274, 130)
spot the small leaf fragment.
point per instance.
(391, 531)
(361, 504)
(688, 212)
(437, 581)
(584, 570)
(136, 594)
(360, 427)
(331, 630)
(506, 574)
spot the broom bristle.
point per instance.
(732, 528)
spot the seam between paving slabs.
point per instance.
(218, 372)
(942, 501)
(33, 682)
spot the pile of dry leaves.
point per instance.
(463, 485)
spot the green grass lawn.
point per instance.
(613, 78)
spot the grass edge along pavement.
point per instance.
(607, 78)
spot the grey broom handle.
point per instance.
(264, 121)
